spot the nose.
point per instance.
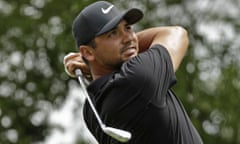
(127, 36)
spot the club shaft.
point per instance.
(80, 79)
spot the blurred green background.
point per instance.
(40, 104)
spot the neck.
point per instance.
(99, 71)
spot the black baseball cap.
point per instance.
(99, 18)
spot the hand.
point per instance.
(73, 61)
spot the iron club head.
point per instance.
(118, 134)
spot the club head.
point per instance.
(120, 135)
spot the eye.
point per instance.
(128, 27)
(112, 33)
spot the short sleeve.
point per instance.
(146, 77)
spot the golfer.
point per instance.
(132, 75)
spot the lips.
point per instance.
(128, 52)
(128, 49)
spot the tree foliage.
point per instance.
(36, 34)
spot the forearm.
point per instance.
(174, 39)
(148, 36)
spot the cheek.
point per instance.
(108, 53)
(112, 48)
(136, 40)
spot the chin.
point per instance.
(133, 55)
(129, 57)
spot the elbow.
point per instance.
(181, 29)
(180, 47)
(183, 35)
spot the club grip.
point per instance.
(78, 72)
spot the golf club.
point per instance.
(118, 134)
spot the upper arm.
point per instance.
(176, 42)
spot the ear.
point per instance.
(87, 52)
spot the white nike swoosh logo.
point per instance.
(107, 10)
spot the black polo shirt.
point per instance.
(138, 98)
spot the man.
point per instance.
(132, 75)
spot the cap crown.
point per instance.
(98, 18)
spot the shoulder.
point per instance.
(147, 60)
(154, 55)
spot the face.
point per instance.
(116, 46)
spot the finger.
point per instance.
(70, 56)
(71, 66)
(68, 72)
(73, 61)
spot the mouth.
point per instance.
(129, 51)
(129, 48)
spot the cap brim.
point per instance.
(131, 16)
